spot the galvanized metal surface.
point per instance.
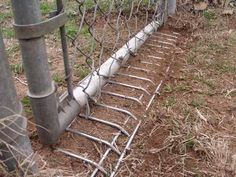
(41, 88)
(67, 67)
(171, 7)
(15, 145)
(40, 29)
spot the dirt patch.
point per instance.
(190, 128)
(149, 77)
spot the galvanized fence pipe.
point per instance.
(112, 65)
(171, 7)
(42, 90)
(47, 109)
(15, 145)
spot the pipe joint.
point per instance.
(44, 95)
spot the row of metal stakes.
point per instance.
(164, 42)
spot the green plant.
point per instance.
(170, 102)
(89, 4)
(5, 15)
(223, 67)
(191, 59)
(182, 88)
(190, 143)
(82, 71)
(58, 79)
(84, 31)
(197, 102)
(71, 29)
(167, 88)
(207, 82)
(8, 32)
(209, 14)
(46, 7)
(17, 68)
(26, 104)
(13, 49)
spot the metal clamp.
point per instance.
(40, 29)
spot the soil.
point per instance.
(189, 129)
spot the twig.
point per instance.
(154, 151)
(22, 82)
(229, 92)
(200, 115)
(97, 149)
(153, 130)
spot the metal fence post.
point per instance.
(14, 143)
(41, 88)
(171, 7)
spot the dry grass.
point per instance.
(191, 130)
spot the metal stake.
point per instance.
(158, 46)
(123, 96)
(137, 68)
(163, 38)
(136, 77)
(168, 35)
(129, 86)
(117, 109)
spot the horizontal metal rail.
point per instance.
(137, 68)
(117, 109)
(128, 85)
(123, 96)
(168, 35)
(157, 46)
(149, 63)
(163, 38)
(155, 57)
(136, 77)
(175, 33)
(164, 42)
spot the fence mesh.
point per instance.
(103, 26)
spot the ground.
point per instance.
(190, 130)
